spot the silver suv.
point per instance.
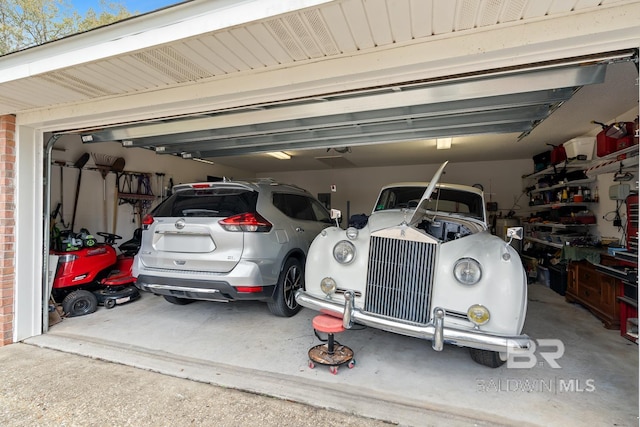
(231, 240)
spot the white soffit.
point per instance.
(204, 41)
(183, 21)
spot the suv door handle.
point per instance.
(300, 229)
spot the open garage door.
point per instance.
(493, 102)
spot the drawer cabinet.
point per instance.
(596, 291)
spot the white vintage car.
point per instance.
(424, 265)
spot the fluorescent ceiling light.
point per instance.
(280, 155)
(209, 162)
(443, 143)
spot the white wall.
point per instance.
(358, 188)
(28, 232)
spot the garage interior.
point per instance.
(356, 93)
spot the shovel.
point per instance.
(78, 164)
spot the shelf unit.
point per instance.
(614, 162)
(567, 166)
(576, 183)
(620, 160)
(570, 165)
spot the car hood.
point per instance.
(422, 206)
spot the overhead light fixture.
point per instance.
(197, 159)
(190, 155)
(281, 155)
(443, 143)
(341, 150)
(87, 138)
(127, 143)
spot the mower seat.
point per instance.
(132, 245)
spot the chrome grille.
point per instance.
(399, 278)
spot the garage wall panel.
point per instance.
(30, 296)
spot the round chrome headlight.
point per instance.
(328, 285)
(478, 314)
(344, 252)
(467, 271)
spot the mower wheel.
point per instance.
(79, 303)
(178, 301)
(109, 303)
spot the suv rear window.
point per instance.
(210, 202)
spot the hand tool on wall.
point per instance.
(160, 185)
(117, 168)
(60, 208)
(78, 164)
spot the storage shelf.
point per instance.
(627, 157)
(571, 165)
(614, 162)
(561, 204)
(558, 225)
(576, 183)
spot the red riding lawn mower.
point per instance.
(90, 273)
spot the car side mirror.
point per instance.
(515, 233)
(336, 215)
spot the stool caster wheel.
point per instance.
(333, 370)
(311, 364)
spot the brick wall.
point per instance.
(7, 226)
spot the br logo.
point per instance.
(526, 359)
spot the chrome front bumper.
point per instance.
(435, 331)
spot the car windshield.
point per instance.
(209, 202)
(442, 200)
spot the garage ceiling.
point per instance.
(503, 113)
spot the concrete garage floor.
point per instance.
(396, 378)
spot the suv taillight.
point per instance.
(147, 221)
(252, 222)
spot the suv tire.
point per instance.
(291, 279)
(178, 301)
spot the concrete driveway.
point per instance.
(396, 379)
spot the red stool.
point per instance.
(332, 354)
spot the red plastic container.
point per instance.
(606, 145)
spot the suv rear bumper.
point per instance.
(209, 290)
